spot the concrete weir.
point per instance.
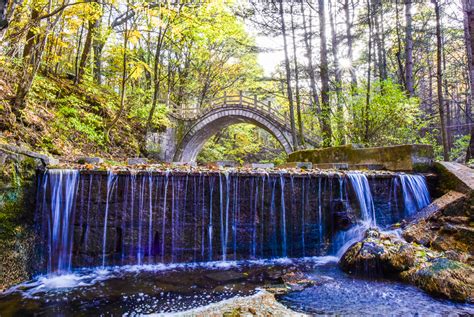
(408, 157)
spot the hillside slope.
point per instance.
(67, 120)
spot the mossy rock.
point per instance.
(386, 255)
(444, 277)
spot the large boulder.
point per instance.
(445, 225)
(386, 254)
(443, 277)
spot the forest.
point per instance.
(236, 158)
(96, 77)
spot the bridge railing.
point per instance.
(240, 100)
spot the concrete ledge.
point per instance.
(13, 149)
(460, 177)
(410, 157)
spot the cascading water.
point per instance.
(361, 188)
(415, 193)
(57, 209)
(104, 219)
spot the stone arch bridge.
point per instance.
(194, 126)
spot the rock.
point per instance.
(226, 276)
(90, 160)
(387, 255)
(444, 225)
(301, 165)
(137, 161)
(262, 303)
(444, 277)
(378, 255)
(455, 176)
(184, 164)
(263, 165)
(13, 149)
(296, 281)
(226, 164)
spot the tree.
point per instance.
(307, 35)
(3, 17)
(297, 78)
(337, 77)
(468, 8)
(409, 49)
(324, 73)
(439, 76)
(349, 36)
(288, 74)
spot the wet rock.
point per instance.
(383, 254)
(261, 304)
(296, 281)
(226, 276)
(378, 255)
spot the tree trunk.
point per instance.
(122, 86)
(409, 49)
(446, 93)
(469, 33)
(470, 147)
(288, 76)
(78, 52)
(31, 37)
(468, 8)
(337, 78)
(309, 56)
(324, 70)
(439, 73)
(401, 69)
(297, 81)
(86, 51)
(367, 100)
(350, 40)
(97, 47)
(377, 12)
(3, 17)
(32, 62)
(156, 80)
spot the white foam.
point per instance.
(90, 276)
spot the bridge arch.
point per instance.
(216, 119)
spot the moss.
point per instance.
(17, 179)
(401, 157)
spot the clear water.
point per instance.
(172, 288)
(337, 293)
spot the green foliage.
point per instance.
(459, 148)
(243, 143)
(71, 116)
(390, 118)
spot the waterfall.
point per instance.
(147, 217)
(283, 216)
(415, 193)
(361, 188)
(111, 178)
(62, 185)
(360, 185)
